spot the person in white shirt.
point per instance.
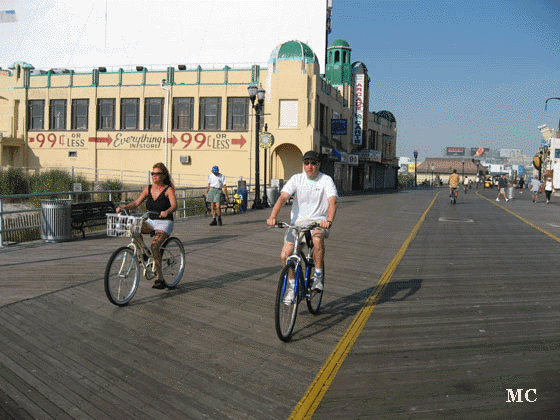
(315, 199)
(548, 189)
(535, 189)
(216, 183)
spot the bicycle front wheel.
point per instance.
(172, 261)
(122, 275)
(285, 307)
(314, 297)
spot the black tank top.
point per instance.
(158, 205)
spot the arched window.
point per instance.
(330, 56)
(345, 57)
(337, 57)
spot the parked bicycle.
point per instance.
(122, 274)
(298, 271)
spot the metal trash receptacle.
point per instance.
(271, 195)
(510, 192)
(56, 215)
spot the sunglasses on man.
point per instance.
(310, 162)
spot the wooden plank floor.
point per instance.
(205, 350)
(468, 313)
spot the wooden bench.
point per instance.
(86, 215)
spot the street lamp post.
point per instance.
(415, 167)
(463, 170)
(257, 93)
(545, 104)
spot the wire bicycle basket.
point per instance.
(120, 225)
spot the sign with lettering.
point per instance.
(140, 140)
(358, 109)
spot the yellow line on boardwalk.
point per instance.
(315, 393)
(556, 238)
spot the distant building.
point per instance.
(441, 168)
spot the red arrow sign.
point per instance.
(107, 139)
(173, 140)
(240, 141)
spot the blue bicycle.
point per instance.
(295, 282)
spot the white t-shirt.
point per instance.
(217, 181)
(310, 196)
(535, 185)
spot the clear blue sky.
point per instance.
(465, 73)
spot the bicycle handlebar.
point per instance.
(308, 226)
(144, 215)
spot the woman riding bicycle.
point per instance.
(160, 198)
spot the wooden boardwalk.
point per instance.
(467, 314)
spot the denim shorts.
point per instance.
(165, 225)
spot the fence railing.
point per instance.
(127, 177)
(20, 214)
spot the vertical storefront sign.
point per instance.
(358, 108)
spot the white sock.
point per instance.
(319, 272)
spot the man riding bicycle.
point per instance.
(454, 185)
(315, 199)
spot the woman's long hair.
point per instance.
(166, 176)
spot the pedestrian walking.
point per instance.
(216, 184)
(521, 184)
(548, 189)
(502, 185)
(535, 189)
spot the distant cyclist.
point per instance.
(454, 185)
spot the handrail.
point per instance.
(183, 194)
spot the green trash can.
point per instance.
(56, 215)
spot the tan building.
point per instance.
(106, 122)
(433, 169)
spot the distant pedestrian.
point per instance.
(535, 189)
(502, 185)
(216, 183)
(548, 189)
(521, 184)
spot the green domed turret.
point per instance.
(294, 51)
(338, 69)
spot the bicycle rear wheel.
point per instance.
(172, 261)
(285, 309)
(314, 297)
(122, 275)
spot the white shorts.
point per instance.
(291, 237)
(165, 225)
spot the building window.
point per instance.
(238, 114)
(288, 114)
(210, 111)
(183, 110)
(36, 115)
(129, 113)
(153, 114)
(57, 114)
(80, 109)
(106, 114)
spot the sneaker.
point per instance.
(213, 223)
(289, 295)
(220, 221)
(317, 283)
(497, 199)
(507, 199)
